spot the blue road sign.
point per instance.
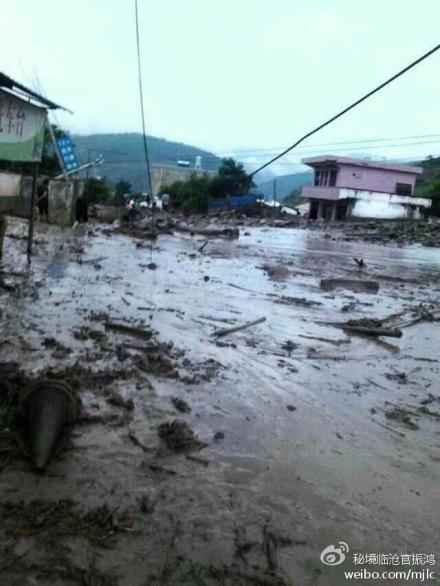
(67, 152)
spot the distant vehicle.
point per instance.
(181, 163)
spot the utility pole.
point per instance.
(274, 191)
(88, 168)
(31, 211)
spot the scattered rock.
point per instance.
(117, 401)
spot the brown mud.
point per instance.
(196, 461)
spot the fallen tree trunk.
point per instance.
(390, 332)
(226, 331)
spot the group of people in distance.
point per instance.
(133, 208)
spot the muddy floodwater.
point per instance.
(307, 435)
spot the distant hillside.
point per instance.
(431, 175)
(285, 184)
(124, 155)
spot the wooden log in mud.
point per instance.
(226, 331)
(389, 332)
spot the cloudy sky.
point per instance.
(242, 76)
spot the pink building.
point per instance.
(346, 187)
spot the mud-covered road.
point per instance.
(313, 436)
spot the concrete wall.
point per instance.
(16, 191)
(10, 184)
(386, 206)
(372, 179)
(162, 175)
(62, 198)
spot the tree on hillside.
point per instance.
(195, 193)
(191, 195)
(96, 190)
(121, 188)
(231, 179)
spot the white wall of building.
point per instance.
(387, 206)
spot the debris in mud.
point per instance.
(179, 436)
(136, 331)
(146, 505)
(181, 405)
(291, 407)
(360, 262)
(152, 266)
(399, 377)
(225, 344)
(219, 435)
(117, 401)
(401, 416)
(132, 437)
(49, 520)
(276, 272)
(371, 327)
(99, 316)
(86, 333)
(351, 284)
(226, 331)
(289, 346)
(156, 363)
(430, 399)
(48, 406)
(301, 301)
(229, 233)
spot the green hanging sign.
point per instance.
(21, 129)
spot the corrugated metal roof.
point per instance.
(22, 92)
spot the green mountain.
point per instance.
(124, 155)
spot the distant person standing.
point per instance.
(81, 211)
(43, 200)
(165, 201)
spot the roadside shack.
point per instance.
(23, 118)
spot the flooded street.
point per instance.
(314, 435)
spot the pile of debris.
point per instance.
(400, 232)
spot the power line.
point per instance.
(141, 98)
(344, 142)
(348, 108)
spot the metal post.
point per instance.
(274, 191)
(31, 211)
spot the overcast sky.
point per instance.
(233, 74)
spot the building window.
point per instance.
(403, 188)
(333, 176)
